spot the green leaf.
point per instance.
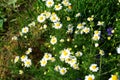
(1, 24)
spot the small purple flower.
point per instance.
(109, 31)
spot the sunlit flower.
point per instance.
(86, 30)
(96, 32)
(49, 3)
(101, 52)
(47, 56)
(77, 15)
(118, 49)
(75, 66)
(66, 2)
(68, 18)
(57, 25)
(65, 53)
(63, 71)
(89, 77)
(54, 18)
(25, 30)
(100, 23)
(24, 58)
(90, 18)
(43, 62)
(58, 7)
(16, 59)
(21, 72)
(41, 18)
(96, 44)
(96, 37)
(93, 67)
(31, 24)
(53, 40)
(47, 14)
(80, 26)
(52, 59)
(113, 77)
(78, 54)
(29, 51)
(57, 68)
(28, 63)
(62, 40)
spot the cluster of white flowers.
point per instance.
(96, 35)
(62, 70)
(46, 57)
(69, 59)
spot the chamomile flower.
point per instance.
(62, 40)
(63, 71)
(118, 49)
(29, 51)
(54, 18)
(16, 59)
(52, 59)
(96, 37)
(21, 72)
(25, 30)
(28, 63)
(96, 44)
(90, 18)
(93, 67)
(65, 2)
(31, 24)
(58, 7)
(47, 56)
(68, 18)
(75, 66)
(86, 30)
(113, 77)
(24, 58)
(47, 14)
(78, 54)
(100, 23)
(43, 62)
(49, 3)
(89, 77)
(96, 32)
(57, 68)
(80, 26)
(77, 15)
(57, 25)
(101, 52)
(41, 18)
(53, 40)
(65, 53)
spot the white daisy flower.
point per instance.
(57, 25)
(47, 56)
(90, 18)
(65, 53)
(100, 23)
(54, 18)
(58, 7)
(43, 62)
(41, 18)
(29, 51)
(25, 30)
(78, 54)
(28, 63)
(96, 37)
(47, 14)
(53, 40)
(93, 67)
(63, 71)
(24, 58)
(66, 2)
(86, 30)
(80, 26)
(77, 15)
(16, 59)
(49, 3)
(57, 68)
(21, 72)
(89, 77)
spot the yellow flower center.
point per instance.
(90, 78)
(41, 18)
(65, 53)
(49, 3)
(114, 77)
(93, 67)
